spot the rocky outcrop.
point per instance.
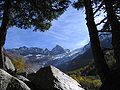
(27, 82)
(51, 78)
(22, 78)
(8, 82)
(9, 67)
(8, 64)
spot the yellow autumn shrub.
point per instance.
(19, 64)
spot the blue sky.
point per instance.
(69, 31)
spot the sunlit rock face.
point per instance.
(8, 82)
(8, 64)
(51, 78)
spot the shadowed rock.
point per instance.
(27, 82)
(8, 82)
(51, 78)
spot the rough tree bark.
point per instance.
(3, 29)
(99, 59)
(115, 26)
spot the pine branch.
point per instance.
(98, 8)
(102, 21)
(104, 31)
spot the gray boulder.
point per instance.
(51, 78)
(8, 82)
(22, 78)
(9, 65)
(27, 82)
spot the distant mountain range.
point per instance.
(86, 57)
(39, 57)
(64, 59)
(35, 50)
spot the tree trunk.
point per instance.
(115, 26)
(99, 59)
(1, 57)
(3, 29)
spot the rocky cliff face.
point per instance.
(51, 78)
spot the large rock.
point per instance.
(51, 78)
(9, 64)
(8, 82)
(22, 78)
(27, 82)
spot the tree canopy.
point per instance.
(33, 13)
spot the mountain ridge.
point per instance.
(39, 57)
(36, 50)
(64, 59)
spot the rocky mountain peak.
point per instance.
(58, 50)
(46, 51)
(35, 50)
(23, 48)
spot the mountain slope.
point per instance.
(86, 57)
(79, 61)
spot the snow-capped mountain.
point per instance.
(86, 57)
(39, 57)
(63, 59)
